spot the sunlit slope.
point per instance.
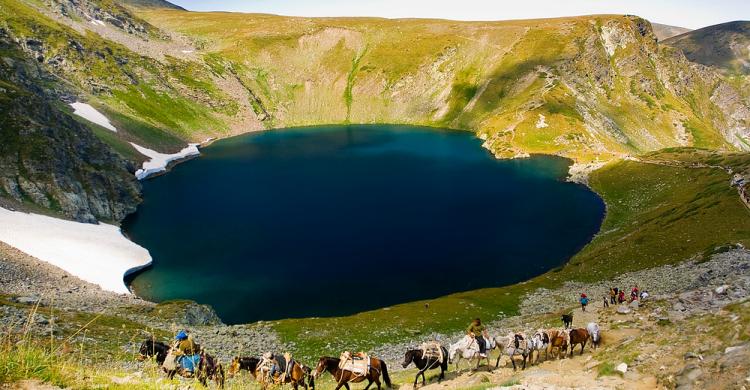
(585, 87)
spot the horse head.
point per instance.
(517, 338)
(151, 347)
(324, 364)
(234, 367)
(409, 357)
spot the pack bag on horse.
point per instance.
(429, 356)
(468, 349)
(277, 369)
(515, 344)
(354, 368)
(539, 342)
(187, 359)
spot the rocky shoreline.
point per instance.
(28, 281)
(696, 287)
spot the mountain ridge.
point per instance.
(725, 46)
(592, 88)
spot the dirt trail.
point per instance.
(580, 371)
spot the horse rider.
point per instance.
(278, 364)
(187, 351)
(478, 332)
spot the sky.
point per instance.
(684, 13)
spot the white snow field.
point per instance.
(98, 254)
(89, 113)
(158, 161)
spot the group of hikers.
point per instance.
(616, 296)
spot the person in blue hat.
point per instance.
(187, 351)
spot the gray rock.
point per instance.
(688, 375)
(622, 309)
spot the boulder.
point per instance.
(622, 309)
(635, 305)
(622, 368)
(721, 290)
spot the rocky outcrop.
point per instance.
(49, 159)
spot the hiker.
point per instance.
(634, 293)
(612, 295)
(621, 297)
(478, 332)
(187, 351)
(606, 301)
(644, 295)
(584, 301)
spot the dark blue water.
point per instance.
(301, 222)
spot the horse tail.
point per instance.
(386, 378)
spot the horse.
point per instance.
(296, 374)
(513, 344)
(469, 350)
(208, 367)
(578, 336)
(424, 364)
(558, 342)
(152, 347)
(538, 342)
(343, 377)
(243, 363)
(567, 320)
(593, 329)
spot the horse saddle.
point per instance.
(358, 363)
(433, 350)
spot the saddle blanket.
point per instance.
(358, 364)
(433, 350)
(189, 362)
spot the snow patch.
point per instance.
(542, 122)
(97, 22)
(158, 161)
(99, 254)
(187, 51)
(89, 113)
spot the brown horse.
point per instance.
(243, 363)
(343, 377)
(578, 336)
(558, 345)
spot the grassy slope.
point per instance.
(656, 215)
(157, 104)
(494, 78)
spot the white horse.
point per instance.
(538, 342)
(513, 344)
(594, 333)
(468, 349)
